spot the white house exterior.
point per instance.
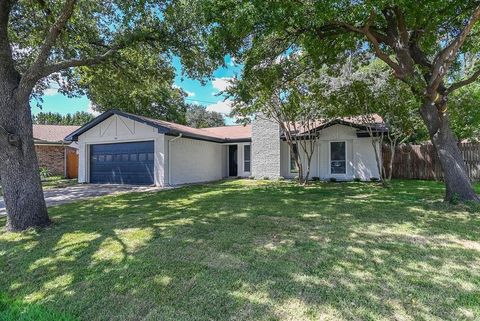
(118, 147)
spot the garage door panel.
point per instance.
(122, 163)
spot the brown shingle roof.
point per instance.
(221, 133)
(51, 133)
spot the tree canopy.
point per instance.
(423, 44)
(198, 117)
(78, 118)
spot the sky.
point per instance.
(206, 95)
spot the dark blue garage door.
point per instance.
(123, 163)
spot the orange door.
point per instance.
(72, 164)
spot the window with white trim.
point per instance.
(246, 158)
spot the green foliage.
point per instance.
(199, 117)
(78, 118)
(137, 82)
(128, 47)
(464, 112)
(44, 172)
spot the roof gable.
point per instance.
(214, 134)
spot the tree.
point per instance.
(281, 92)
(43, 42)
(199, 117)
(116, 85)
(78, 118)
(368, 91)
(422, 43)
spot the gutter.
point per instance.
(169, 158)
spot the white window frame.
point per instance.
(330, 158)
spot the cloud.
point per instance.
(90, 109)
(221, 83)
(222, 107)
(50, 92)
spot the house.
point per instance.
(118, 147)
(54, 152)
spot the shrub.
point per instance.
(266, 178)
(374, 179)
(315, 178)
(44, 173)
(357, 179)
(251, 177)
(296, 178)
(281, 178)
(333, 179)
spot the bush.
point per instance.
(296, 178)
(315, 178)
(281, 178)
(44, 173)
(266, 178)
(374, 179)
(333, 179)
(357, 179)
(251, 177)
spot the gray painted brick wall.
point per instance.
(265, 148)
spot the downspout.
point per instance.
(169, 158)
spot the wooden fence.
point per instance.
(421, 161)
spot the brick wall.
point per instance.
(51, 157)
(265, 148)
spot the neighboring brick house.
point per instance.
(53, 152)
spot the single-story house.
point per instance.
(54, 152)
(118, 147)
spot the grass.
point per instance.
(54, 182)
(247, 250)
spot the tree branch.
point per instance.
(5, 49)
(445, 58)
(50, 39)
(50, 69)
(464, 82)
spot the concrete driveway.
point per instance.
(56, 196)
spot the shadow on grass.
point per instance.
(245, 250)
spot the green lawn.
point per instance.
(54, 182)
(246, 250)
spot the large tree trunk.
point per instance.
(457, 182)
(19, 172)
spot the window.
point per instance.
(293, 164)
(338, 157)
(246, 158)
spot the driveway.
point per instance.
(56, 196)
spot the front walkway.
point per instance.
(57, 196)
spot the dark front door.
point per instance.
(123, 163)
(232, 160)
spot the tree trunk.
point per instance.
(19, 172)
(457, 182)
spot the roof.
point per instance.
(51, 134)
(216, 134)
(223, 134)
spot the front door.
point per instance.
(232, 160)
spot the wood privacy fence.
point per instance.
(421, 161)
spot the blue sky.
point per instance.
(203, 95)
